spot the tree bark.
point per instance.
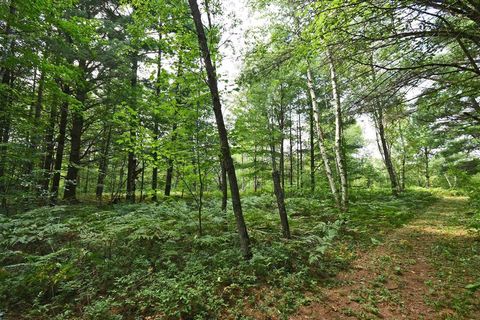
(169, 173)
(312, 147)
(132, 160)
(339, 152)
(281, 123)
(49, 149)
(169, 177)
(291, 149)
(35, 141)
(255, 177)
(427, 167)
(223, 184)
(103, 164)
(222, 132)
(300, 162)
(156, 124)
(385, 151)
(5, 101)
(321, 140)
(280, 196)
(62, 129)
(71, 180)
(278, 190)
(404, 159)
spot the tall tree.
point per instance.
(222, 132)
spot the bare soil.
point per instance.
(401, 278)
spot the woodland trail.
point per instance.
(419, 272)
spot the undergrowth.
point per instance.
(133, 261)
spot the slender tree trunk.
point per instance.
(312, 148)
(169, 177)
(339, 152)
(255, 177)
(71, 180)
(223, 184)
(300, 144)
(5, 102)
(35, 140)
(222, 132)
(291, 150)
(282, 138)
(87, 179)
(62, 129)
(132, 160)
(427, 167)
(49, 149)
(103, 164)
(156, 124)
(278, 190)
(142, 181)
(280, 196)
(385, 151)
(450, 186)
(404, 158)
(169, 173)
(321, 140)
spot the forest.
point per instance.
(239, 159)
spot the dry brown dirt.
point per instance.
(392, 280)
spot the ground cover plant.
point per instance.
(247, 159)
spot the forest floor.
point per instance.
(419, 271)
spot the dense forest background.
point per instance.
(131, 185)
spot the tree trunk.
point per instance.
(255, 177)
(321, 140)
(5, 100)
(282, 138)
(132, 160)
(169, 173)
(71, 180)
(450, 186)
(156, 124)
(169, 176)
(280, 196)
(35, 141)
(278, 190)
(385, 151)
(49, 149)
(404, 158)
(300, 162)
(62, 129)
(223, 184)
(142, 181)
(339, 152)
(427, 168)
(222, 132)
(291, 150)
(103, 164)
(312, 148)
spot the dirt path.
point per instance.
(402, 278)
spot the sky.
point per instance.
(237, 19)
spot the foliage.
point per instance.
(145, 259)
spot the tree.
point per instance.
(222, 132)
